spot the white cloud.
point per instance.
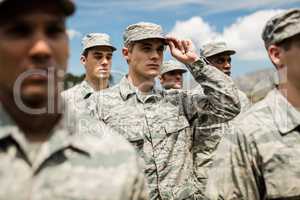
(73, 34)
(244, 34)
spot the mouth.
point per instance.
(153, 65)
(227, 73)
(35, 79)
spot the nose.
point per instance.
(155, 55)
(40, 52)
(178, 76)
(227, 65)
(104, 61)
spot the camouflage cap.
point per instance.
(68, 6)
(281, 26)
(214, 48)
(142, 31)
(96, 39)
(171, 65)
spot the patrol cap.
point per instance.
(96, 39)
(171, 65)
(281, 26)
(142, 31)
(214, 48)
(68, 6)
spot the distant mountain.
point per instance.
(257, 84)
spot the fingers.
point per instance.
(178, 44)
(182, 45)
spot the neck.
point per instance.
(36, 127)
(144, 85)
(291, 93)
(98, 84)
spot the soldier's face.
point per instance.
(145, 58)
(98, 62)
(32, 44)
(290, 61)
(172, 80)
(222, 62)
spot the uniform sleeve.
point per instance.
(215, 98)
(235, 173)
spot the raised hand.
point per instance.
(182, 50)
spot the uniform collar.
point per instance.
(127, 89)
(286, 117)
(87, 89)
(60, 138)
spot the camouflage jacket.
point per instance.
(261, 159)
(159, 125)
(77, 93)
(93, 164)
(207, 138)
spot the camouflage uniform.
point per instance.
(77, 93)
(89, 162)
(260, 160)
(208, 137)
(70, 165)
(159, 124)
(82, 91)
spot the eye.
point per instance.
(56, 30)
(161, 48)
(146, 48)
(98, 57)
(19, 30)
(108, 57)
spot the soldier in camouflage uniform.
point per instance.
(261, 159)
(158, 122)
(219, 56)
(208, 137)
(171, 75)
(96, 57)
(40, 158)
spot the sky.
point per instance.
(237, 22)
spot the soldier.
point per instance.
(261, 160)
(157, 122)
(41, 159)
(208, 137)
(171, 75)
(219, 56)
(96, 57)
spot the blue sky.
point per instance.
(238, 22)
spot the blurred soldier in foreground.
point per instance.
(158, 122)
(171, 75)
(41, 159)
(96, 57)
(261, 160)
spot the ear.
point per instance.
(82, 59)
(276, 56)
(125, 52)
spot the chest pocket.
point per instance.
(176, 125)
(282, 174)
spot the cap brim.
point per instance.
(182, 70)
(223, 51)
(103, 45)
(149, 37)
